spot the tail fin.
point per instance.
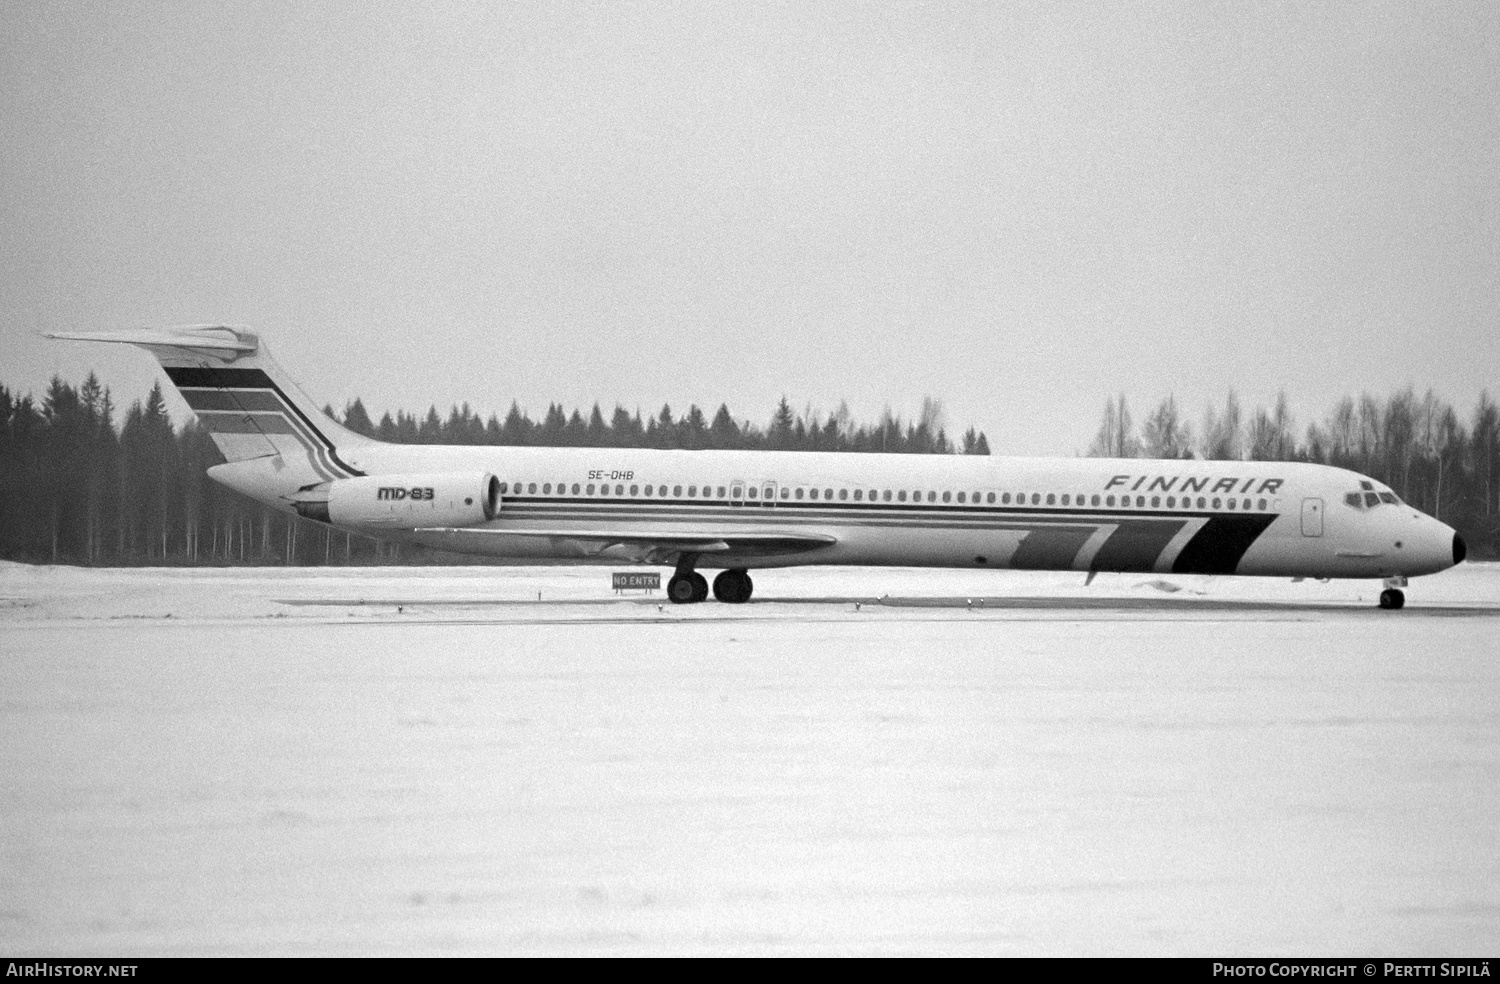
(241, 396)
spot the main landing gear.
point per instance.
(1392, 597)
(687, 586)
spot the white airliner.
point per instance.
(741, 510)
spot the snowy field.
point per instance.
(515, 761)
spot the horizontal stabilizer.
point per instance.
(215, 340)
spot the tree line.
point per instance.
(1444, 464)
(76, 486)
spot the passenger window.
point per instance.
(750, 492)
(648, 490)
(947, 496)
(531, 489)
(604, 490)
(620, 490)
(961, 498)
(989, 497)
(785, 492)
(1201, 502)
(932, 497)
(721, 492)
(800, 493)
(1005, 500)
(886, 495)
(828, 493)
(859, 495)
(503, 487)
(1171, 502)
(692, 491)
(1230, 503)
(1216, 503)
(1094, 501)
(1155, 501)
(1109, 501)
(1262, 505)
(677, 491)
(736, 491)
(812, 493)
(575, 488)
(591, 488)
(635, 490)
(901, 495)
(1051, 499)
(843, 494)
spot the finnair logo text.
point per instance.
(1177, 483)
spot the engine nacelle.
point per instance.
(405, 502)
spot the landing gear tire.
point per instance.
(681, 589)
(1392, 599)
(733, 587)
(687, 588)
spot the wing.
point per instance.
(662, 546)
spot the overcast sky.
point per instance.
(1016, 208)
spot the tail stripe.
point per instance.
(249, 395)
(207, 377)
(252, 400)
(260, 423)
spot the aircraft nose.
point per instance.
(1460, 549)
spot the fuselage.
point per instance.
(1086, 514)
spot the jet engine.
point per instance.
(403, 502)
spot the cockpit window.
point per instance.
(1369, 498)
(1367, 486)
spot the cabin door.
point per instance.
(1312, 517)
(768, 495)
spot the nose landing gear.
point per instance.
(1392, 597)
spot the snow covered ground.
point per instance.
(515, 761)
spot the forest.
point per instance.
(79, 487)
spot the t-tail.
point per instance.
(253, 411)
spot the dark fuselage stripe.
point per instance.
(1220, 545)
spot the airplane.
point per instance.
(738, 511)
